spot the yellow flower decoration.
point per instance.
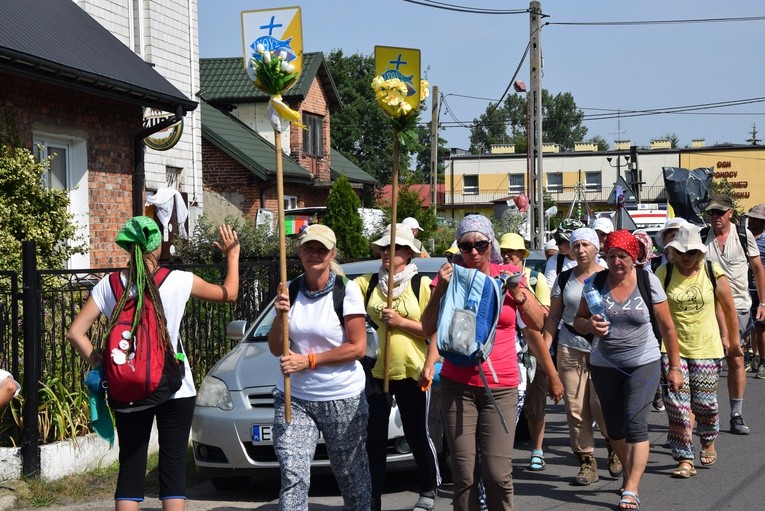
(391, 95)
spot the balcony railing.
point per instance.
(564, 194)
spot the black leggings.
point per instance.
(625, 395)
(134, 429)
(411, 401)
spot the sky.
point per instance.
(610, 70)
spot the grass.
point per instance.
(96, 484)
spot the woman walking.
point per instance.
(327, 381)
(625, 357)
(693, 288)
(142, 239)
(581, 400)
(408, 350)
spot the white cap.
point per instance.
(412, 223)
(603, 224)
(551, 245)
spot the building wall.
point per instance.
(232, 190)
(166, 35)
(742, 168)
(315, 102)
(106, 129)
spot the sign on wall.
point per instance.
(164, 139)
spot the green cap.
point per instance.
(141, 231)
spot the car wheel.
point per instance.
(230, 483)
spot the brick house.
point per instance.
(70, 88)
(239, 166)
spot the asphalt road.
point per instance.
(736, 481)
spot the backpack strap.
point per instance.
(559, 262)
(373, 281)
(338, 295)
(668, 276)
(711, 275)
(600, 280)
(563, 279)
(644, 286)
(115, 281)
(655, 263)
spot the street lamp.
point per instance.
(618, 165)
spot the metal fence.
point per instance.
(59, 295)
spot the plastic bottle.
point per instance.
(594, 300)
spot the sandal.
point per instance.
(537, 461)
(629, 500)
(684, 470)
(708, 456)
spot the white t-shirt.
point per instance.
(174, 293)
(315, 328)
(5, 374)
(734, 263)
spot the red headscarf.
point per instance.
(624, 240)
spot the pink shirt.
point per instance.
(503, 357)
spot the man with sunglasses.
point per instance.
(726, 249)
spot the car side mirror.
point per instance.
(236, 329)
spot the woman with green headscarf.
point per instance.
(142, 239)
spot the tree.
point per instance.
(343, 218)
(33, 212)
(561, 123)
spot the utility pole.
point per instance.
(537, 171)
(434, 150)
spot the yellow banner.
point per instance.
(276, 30)
(401, 63)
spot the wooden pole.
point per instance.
(391, 252)
(282, 268)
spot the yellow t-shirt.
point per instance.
(692, 305)
(407, 353)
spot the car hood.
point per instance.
(249, 364)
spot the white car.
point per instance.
(232, 427)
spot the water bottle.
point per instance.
(594, 300)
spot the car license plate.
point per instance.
(261, 434)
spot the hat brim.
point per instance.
(758, 216)
(385, 242)
(717, 205)
(328, 243)
(687, 248)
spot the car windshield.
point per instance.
(259, 333)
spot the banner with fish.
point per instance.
(402, 64)
(277, 32)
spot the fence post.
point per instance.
(30, 446)
(273, 279)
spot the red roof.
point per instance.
(423, 190)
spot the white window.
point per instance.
(593, 181)
(515, 184)
(555, 182)
(470, 185)
(290, 202)
(69, 171)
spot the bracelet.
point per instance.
(675, 368)
(762, 304)
(312, 361)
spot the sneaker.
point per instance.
(754, 365)
(658, 405)
(737, 425)
(760, 372)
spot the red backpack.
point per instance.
(140, 371)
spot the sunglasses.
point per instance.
(398, 247)
(479, 246)
(716, 212)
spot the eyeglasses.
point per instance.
(479, 246)
(716, 212)
(398, 247)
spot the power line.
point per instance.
(656, 22)
(460, 8)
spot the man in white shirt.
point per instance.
(727, 248)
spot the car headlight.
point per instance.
(213, 392)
